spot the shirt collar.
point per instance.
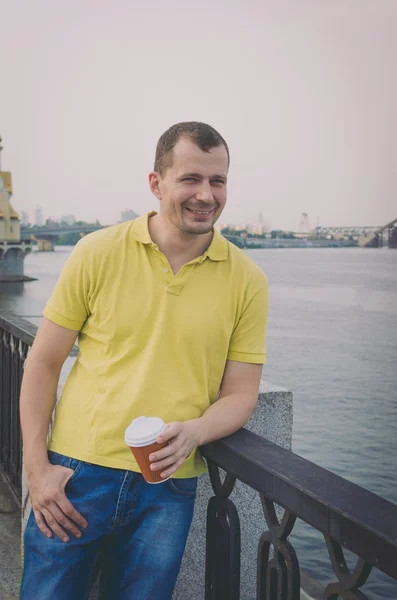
(217, 250)
(140, 228)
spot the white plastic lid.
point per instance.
(144, 431)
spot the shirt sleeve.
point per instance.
(68, 305)
(248, 341)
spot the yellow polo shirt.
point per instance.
(151, 343)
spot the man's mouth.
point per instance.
(203, 213)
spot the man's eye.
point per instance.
(189, 179)
(218, 181)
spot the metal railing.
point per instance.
(347, 515)
(16, 336)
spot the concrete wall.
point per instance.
(271, 419)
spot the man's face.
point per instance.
(192, 192)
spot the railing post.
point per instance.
(5, 400)
(279, 576)
(348, 583)
(223, 543)
(13, 355)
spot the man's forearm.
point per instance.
(224, 417)
(38, 396)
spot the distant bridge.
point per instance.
(46, 236)
(237, 240)
(50, 234)
(357, 231)
(59, 230)
(371, 237)
(378, 240)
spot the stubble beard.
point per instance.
(202, 228)
(199, 229)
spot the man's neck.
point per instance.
(179, 248)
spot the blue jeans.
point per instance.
(136, 531)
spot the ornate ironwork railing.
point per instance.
(16, 336)
(348, 516)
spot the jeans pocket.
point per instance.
(76, 465)
(186, 486)
(65, 461)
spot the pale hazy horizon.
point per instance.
(305, 93)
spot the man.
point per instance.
(171, 323)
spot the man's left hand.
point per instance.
(182, 438)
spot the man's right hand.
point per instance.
(52, 510)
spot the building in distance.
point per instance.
(68, 219)
(12, 249)
(39, 217)
(258, 229)
(24, 218)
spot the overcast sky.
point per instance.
(304, 91)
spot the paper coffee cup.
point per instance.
(141, 436)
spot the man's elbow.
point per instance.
(249, 405)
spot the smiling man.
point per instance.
(171, 322)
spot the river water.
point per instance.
(332, 340)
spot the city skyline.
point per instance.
(259, 227)
(304, 93)
(128, 214)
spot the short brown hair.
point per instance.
(201, 134)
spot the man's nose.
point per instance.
(205, 192)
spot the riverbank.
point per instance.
(256, 243)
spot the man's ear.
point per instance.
(154, 184)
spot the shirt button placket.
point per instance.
(167, 275)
